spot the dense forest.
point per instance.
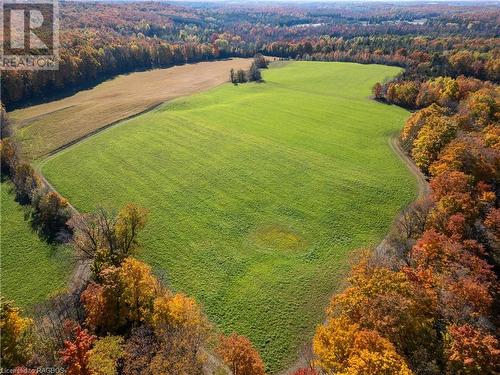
(423, 302)
(100, 40)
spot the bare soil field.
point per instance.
(45, 128)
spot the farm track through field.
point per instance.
(423, 186)
(98, 130)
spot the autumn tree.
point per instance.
(432, 137)
(5, 126)
(107, 237)
(378, 91)
(369, 302)
(452, 193)
(123, 297)
(260, 61)
(415, 123)
(182, 330)
(470, 154)
(403, 93)
(254, 73)
(482, 108)
(240, 356)
(463, 282)
(342, 347)
(14, 340)
(76, 353)
(447, 89)
(139, 287)
(471, 351)
(8, 157)
(428, 94)
(50, 213)
(171, 342)
(26, 182)
(241, 76)
(105, 354)
(139, 351)
(333, 343)
(372, 354)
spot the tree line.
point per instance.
(97, 41)
(425, 301)
(48, 210)
(421, 56)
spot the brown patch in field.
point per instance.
(278, 237)
(47, 127)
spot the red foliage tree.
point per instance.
(75, 354)
(472, 351)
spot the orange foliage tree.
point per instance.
(240, 356)
(373, 292)
(125, 296)
(472, 351)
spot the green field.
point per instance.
(257, 193)
(32, 270)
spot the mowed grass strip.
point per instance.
(32, 270)
(257, 193)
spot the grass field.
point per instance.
(44, 128)
(31, 269)
(257, 193)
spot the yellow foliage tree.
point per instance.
(333, 343)
(415, 122)
(432, 137)
(139, 287)
(182, 330)
(343, 348)
(14, 347)
(104, 356)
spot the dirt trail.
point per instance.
(422, 185)
(42, 129)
